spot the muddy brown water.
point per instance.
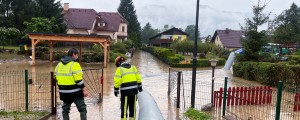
(155, 80)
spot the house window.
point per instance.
(179, 37)
(123, 29)
(101, 24)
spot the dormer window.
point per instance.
(101, 24)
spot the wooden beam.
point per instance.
(36, 42)
(101, 44)
(68, 38)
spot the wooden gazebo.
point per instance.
(103, 40)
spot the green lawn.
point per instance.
(196, 115)
(4, 56)
(10, 47)
(22, 115)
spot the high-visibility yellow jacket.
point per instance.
(69, 80)
(127, 79)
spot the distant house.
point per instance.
(164, 39)
(228, 39)
(88, 21)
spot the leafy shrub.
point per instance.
(296, 53)
(265, 73)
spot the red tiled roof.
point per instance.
(229, 38)
(80, 18)
(113, 20)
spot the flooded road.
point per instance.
(154, 79)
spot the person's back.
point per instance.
(128, 80)
(71, 87)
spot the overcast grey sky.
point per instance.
(214, 14)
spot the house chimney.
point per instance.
(66, 7)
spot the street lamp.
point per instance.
(193, 92)
(213, 63)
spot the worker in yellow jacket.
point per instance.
(71, 87)
(128, 80)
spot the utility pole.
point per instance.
(195, 59)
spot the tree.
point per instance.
(288, 26)
(190, 29)
(126, 9)
(39, 25)
(44, 6)
(254, 40)
(148, 32)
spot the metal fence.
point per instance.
(25, 91)
(244, 100)
(37, 91)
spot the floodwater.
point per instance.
(155, 80)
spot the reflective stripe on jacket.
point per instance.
(127, 80)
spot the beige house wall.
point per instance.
(218, 42)
(77, 31)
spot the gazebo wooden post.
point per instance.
(108, 55)
(80, 52)
(51, 50)
(105, 54)
(33, 51)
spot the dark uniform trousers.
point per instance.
(81, 106)
(128, 102)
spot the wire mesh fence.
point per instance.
(245, 100)
(16, 95)
(258, 102)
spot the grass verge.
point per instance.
(5, 56)
(196, 115)
(22, 115)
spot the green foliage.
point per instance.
(268, 57)
(296, 53)
(294, 59)
(168, 56)
(288, 31)
(197, 115)
(148, 32)
(119, 47)
(22, 115)
(252, 44)
(254, 40)
(190, 29)
(183, 46)
(264, 73)
(13, 13)
(7, 36)
(39, 25)
(127, 10)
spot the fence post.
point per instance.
(178, 89)
(53, 95)
(224, 97)
(26, 89)
(169, 82)
(278, 103)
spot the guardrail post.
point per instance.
(26, 90)
(278, 103)
(178, 89)
(224, 97)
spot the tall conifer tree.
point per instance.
(126, 9)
